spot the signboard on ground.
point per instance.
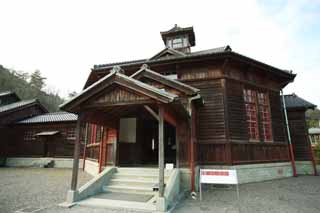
(218, 176)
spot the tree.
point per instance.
(36, 80)
(22, 75)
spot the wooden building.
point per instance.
(12, 109)
(28, 130)
(191, 109)
(44, 135)
(296, 108)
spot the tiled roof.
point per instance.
(50, 118)
(202, 53)
(190, 55)
(176, 28)
(5, 93)
(115, 73)
(16, 105)
(294, 101)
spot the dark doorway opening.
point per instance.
(145, 151)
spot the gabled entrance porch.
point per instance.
(144, 122)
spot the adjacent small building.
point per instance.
(45, 135)
(296, 108)
(27, 129)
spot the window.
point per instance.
(258, 114)
(29, 136)
(99, 134)
(177, 42)
(252, 115)
(172, 75)
(71, 133)
(265, 116)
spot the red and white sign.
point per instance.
(218, 176)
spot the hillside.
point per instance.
(29, 87)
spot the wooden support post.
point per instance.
(76, 154)
(177, 148)
(153, 113)
(161, 152)
(85, 146)
(101, 151)
(192, 148)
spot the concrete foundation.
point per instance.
(304, 168)
(262, 172)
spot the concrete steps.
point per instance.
(134, 180)
(130, 189)
(118, 204)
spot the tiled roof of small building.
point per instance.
(16, 105)
(50, 118)
(5, 93)
(294, 101)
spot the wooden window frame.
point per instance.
(71, 133)
(29, 135)
(261, 108)
(262, 120)
(254, 104)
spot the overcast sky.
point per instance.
(64, 39)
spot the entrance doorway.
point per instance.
(145, 150)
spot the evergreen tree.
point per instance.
(36, 80)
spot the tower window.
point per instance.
(177, 42)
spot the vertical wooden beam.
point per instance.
(177, 148)
(85, 146)
(76, 154)
(161, 152)
(228, 145)
(101, 150)
(116, 147)
(192, 148)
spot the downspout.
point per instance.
(193, 135)
(293, 164)
(313, 161)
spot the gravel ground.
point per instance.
(21, 188)
(34, 187)
(301, 194)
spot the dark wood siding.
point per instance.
(298, 130)
(211, 120)
(238, 127)
(57, 146)
(211, 130)
(278, 127)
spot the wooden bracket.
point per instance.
(153, 113)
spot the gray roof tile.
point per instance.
(294, 101)
(50, 118)
(192, 54)
(16, 105)
(5, 93)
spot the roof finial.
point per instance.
(145, 66)
(117, 69)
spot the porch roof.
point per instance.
(116, 77)
(146, 72)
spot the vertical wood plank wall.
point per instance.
(299, 133)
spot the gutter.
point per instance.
(293, 164)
